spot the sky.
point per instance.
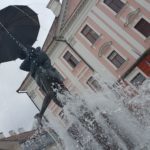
(17, 110)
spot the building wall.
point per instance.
(110, 26)
(116, 31)
(129, 43)
(140, 71)
(9, 145)
(144, 65)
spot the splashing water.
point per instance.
(111, 119)
(108, 120)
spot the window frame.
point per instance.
(134, 78)
(135, 22)
(68, 64)
(109, 60)
(61, 114)
(85, 37)
(123, 1)
(92, 86)
(137, 31)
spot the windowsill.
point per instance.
(124, 65)
(147, 39)
(85, 37)
(94, 45)
(110, 63)
(132, 26)
(93, 88)
(66, 62)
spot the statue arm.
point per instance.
(33, 67)
(25, 66)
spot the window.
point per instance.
(115, 5)
(90, 34)
(143, 27)
(138, 79)
(116, 59)
(93, 84)
(61, 114)
(71, 59)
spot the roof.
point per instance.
(51, 34)
(19, 137)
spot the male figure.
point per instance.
(46, 76)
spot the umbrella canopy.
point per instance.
(18, 25)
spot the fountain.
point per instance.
(109, 120)
(113, 118)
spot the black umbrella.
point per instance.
(19, 27)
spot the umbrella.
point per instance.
(19, 26)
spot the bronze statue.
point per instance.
(46, 76)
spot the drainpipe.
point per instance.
(21, 92)
(24, 92)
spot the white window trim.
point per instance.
(90, 86)
(124, 1)
(86, 23)
(66, 63)
(108, 53)
(135, 22)
(107, 7)
(61, 114)
(133, 74)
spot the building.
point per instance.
(95, 37)
(13, 142)
(105, 37)
(140, 71)
(27, 141)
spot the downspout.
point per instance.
(24, 92)
(21, 92)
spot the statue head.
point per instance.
(38, 49)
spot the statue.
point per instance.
(46, 76)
